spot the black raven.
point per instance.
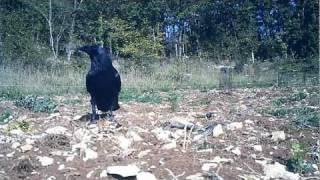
(102, 81)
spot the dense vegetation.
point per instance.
(143, 31)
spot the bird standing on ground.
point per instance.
(102, 81)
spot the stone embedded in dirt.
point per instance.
(181, 123)
(124, 142)
(30, 141)
(277, 171)
(123, 171)
(278, 136)
(229, 148)
(15, 145)
(145, 176)
(89, 154)
(208, 166)
(257, 148)
(51, 178)
(135, 136)
(217, 131)
(162, 135)
(45, 161)
(17, 132)
(171, 145)
(234, 126)
(77, 117)
(103, 174)
(236, 151)
(26, 148)
(61, 167)
(218, 159)
(89, 175)
(144, 153)
(10, 154)
(248, 121)
(58, 130)
(197, 176)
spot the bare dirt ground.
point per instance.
(167, 141)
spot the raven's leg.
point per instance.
(94, 116)
(111, 116)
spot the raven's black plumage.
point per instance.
(103, 80)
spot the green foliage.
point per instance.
(10, 93)
(295, 97)
(24, 126)
(36, 104)
(297, 162)
(174, 98)
(5, 116)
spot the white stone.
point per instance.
(234, 126)
(30, 141)
(144, 153)
(162, 135)
(51, 178)
(145, 176)
(123, 171)
(17, 132)
(89, 175)
(135, 136)
(26, 148)
(278, 135)
(248, 121)
(58, 130)
(278, 170)
(171, 145)
(103, 174)
(45, 161)
(15, 145)
(218, 159)
(61, 167)
(77, 117)
(257, 148)
(217, 131)
(236, 151)
(197, 176)
(124, 142)
(10, 154)
(207, 166)
(89, 154)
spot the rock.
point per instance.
(229, 148)
(124, 142)
(30, 141)
(257, 148)
(77, 117)
(197, 176)
(26, 148)
(51, 178)
(162, 135)
(58, 130)
(10, 154)
(103, 174)
(248, 121)
(15, 145)
(145, 176)
(83, 135)
(135, 136)
(171, 145)
(278, 171)
(278, 135)
(89, 154)
(61, 167)
(17, 132)
(45, 161)
(218, 159)
(144, 153)
(123, 171)
(234, 126)
(181, 123)
(236, 151)
(217, 131)
(89, 175)
(207, 166)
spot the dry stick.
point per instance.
(189, 137)
(174, 176)
(185, 137)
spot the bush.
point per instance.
(36, 104)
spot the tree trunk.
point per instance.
(50, 30)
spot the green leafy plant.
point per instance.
(36, 104)
(297, 163)
(5, 116)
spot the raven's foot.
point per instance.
(94, 118)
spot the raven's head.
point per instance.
(99, 55)
(92, 50)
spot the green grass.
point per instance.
(5, 116)
(295, 97)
